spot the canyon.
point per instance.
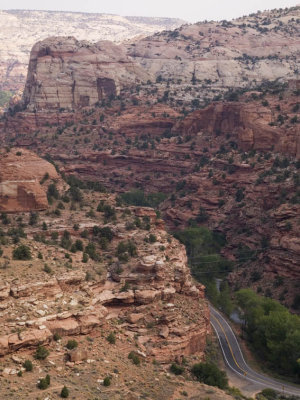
(204, 119)
(162, 314)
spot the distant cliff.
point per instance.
(20, 30)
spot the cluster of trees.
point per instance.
(273, 332)
(140, 198)
(203, 249)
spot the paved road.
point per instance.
(234, 358)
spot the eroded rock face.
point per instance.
(152, 293)
(20, 174)
(248, 124)
(67, 73)
(20, 29)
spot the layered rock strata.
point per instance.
(66, 73)
(21, 172)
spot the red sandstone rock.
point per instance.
(247, 123)
(20, 175)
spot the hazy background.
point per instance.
(190, 10)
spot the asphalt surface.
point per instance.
(235, 361)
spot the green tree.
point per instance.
(41, 353)
(210, 374)
(64, 392)
(22, 252)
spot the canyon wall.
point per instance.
(67, 73)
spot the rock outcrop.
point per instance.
(152, 291)
(20, 174)
(21, 29)
(228, 54)
(66, 73)
(249, 124)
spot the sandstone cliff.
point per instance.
(67, 73)
(20, 174)
(249, 125)
(21, 29)
(191, 65)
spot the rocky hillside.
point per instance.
(21, 29)
(92, 283)
(215, 56)
(231, 165)
(187, 67)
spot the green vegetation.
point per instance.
(139, 198)
(44, 383)
(4, 97)
(272, 331)
(72, 344)
(203, 249)
(270, 394)
(126, 250)
(111, 338)
(22, 252)
(177, 369)
(73, 181)
(56, 336)
(107, 381)
(41, 353)
(210, 374)
(64, 392)
(134, 357)
(28, 365)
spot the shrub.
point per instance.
(47, 379)
(107, 381)
(28, 365)
(64, 392)
(5, 219)
(239, 196)
(152, 238)
(44, 383)
(210, 374)
(41, 353)
(139, 198)
(72, 344)
(47, 269)
(22, 252)
(269, 394)
(85, 258)
(134, 357)
(111, 338)
(56, 337)
(177, 369)
(79, 245)
(33, 219)
(52, 191)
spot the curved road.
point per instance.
(234, 358)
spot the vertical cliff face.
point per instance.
(67, 73)
(250, 124)
(20, 174)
